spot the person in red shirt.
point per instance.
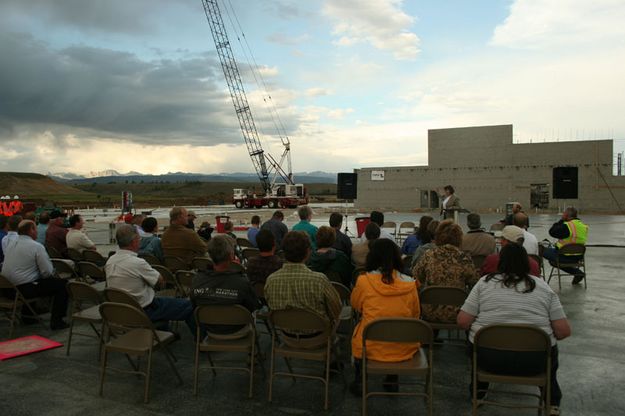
(511, 235)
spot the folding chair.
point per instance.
(134, 335)
(174, 263)
(202, 263)
(346, 318)
(478, 261)
(244, 242)
(443, 295)
(74, 255)
(81, 293)
(242, 341)
(90, 270)
(405, 229)
(63, 269)
(13, 307)
(94, 257)
(185, 281)
(172, 286)
(392, 226)
(518, 338)
(314, 345)
(403, 330)
(569, 250)
(151, 259)
(53, 253)
(250, 252)
(541, 265)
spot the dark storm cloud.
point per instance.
(117, 16)
(164, 101)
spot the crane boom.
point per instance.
(237, 92)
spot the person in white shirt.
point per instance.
(11, 237)
(124, 270)
(377, 218)
(76, 237)
(530, 242)
(28, 266)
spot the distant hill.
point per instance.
(32, 185)
(181, 177)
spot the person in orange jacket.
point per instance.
(383, 292)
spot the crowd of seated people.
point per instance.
(299, 277)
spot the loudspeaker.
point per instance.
(565, 182)
(346, 186)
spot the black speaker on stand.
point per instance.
(565, 185)
(346, 185)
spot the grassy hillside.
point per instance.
(40, 189)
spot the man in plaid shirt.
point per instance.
(296, 286)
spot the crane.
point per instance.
(275, 194)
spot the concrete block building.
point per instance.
(488, 170)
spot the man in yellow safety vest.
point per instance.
(569, 230)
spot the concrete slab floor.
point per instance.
(592, 371)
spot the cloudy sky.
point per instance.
(137, 85)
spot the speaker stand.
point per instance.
(345, 221)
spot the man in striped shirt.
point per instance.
(296, 286)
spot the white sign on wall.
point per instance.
(377, 175)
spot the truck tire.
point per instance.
(238, 204)
(272, 203)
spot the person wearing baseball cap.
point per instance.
(511, 234)
(190, 218)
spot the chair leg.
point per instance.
(210, 360)
(146, 393)
(559, 280)
(171, 363)
(252, 356)
(271, 367)
(103, 370)
(69, 339)
(364, 384)
(196, 367)
(327, 375)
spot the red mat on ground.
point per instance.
(25, 345)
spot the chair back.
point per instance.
(223, 315)
(185, 280)
(333, 276)
(478, 261)
(572, 250)
(94, 257)
(343, 291)
(6, 283)
(114, 295)
(169, 278)
(150, 258)
(244, 242)
(497, 227)
(174, 263)
(295, 322)
(538, 259)
(63, 269)
(83, 292)
(120, 317)
(404, 330)
(202, 263)
(512, 337)
(390, 224)
(74, 254)
(92, 270)
(53, 253)
(407, 225)
(442, 295)
(250, 252)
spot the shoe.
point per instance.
(578, 278)
(56, 326)
(555, 411)
(390, 383)
(355, 388)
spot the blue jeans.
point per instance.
(171, 309)
(551, 253)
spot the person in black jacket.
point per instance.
(221, 286)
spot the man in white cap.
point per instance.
(511, 234)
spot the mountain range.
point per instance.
(112, 175)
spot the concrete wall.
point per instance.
(487, 170)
